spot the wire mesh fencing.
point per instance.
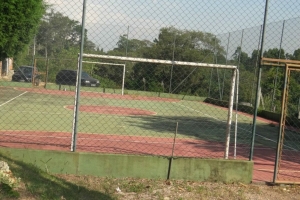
(126, 106)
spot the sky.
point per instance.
(106, 20)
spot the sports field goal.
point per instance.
(112, 64)
(234, 82)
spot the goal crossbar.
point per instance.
(103, 63)
(167, 62)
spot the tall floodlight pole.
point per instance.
(258, 81)
(78, 83)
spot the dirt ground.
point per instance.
(129, 188)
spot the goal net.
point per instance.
(147, 70)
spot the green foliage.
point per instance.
(7, 191)
(19, 22)
(174, 44)
(58, 33)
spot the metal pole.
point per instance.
(172, 155)
(124, 67)
(226, 64)
(276, 76)
(236, 98)
(216, 62)
(123, 79)
(126, 50)
(170, 89)
(236, 113)
(165, 62)
(33, 71)
(47, 72)
(211, 73)
(256, 63)
(78, 83)
(229, 117)
(282, 124)
(258, 82)
(33, 53)
(239, 58)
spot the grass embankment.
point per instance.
(39, 184)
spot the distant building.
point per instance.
(6, 67)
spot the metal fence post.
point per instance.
(78, 83)
(258, 83)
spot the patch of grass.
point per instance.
(134, 187)
(38, 184)
(42, 185)
(7, 191)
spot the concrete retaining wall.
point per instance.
(152, 167)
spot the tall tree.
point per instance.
(274, 53)
(58, 32)
(179, 45)
(19, 23)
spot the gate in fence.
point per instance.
(287, 162)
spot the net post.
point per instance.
(123, 79)
(230, 109)
(236, 111)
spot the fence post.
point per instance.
(78, 83)
(258, 83)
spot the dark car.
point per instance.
(68, 77)
(25, 74)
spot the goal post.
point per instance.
(233, 86)
(114, 64)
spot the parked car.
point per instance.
(25, 74)
(68, 77)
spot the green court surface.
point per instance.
(44, 110)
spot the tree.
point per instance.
(58, 32)
(133, 47)
(19, 23)
(180, 45)
(294, 56)
(274, 53)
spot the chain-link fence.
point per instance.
(126, 106)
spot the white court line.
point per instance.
(12, 99)
(34, 112)
(198, 111)
(265, 138)
(282, 170)
(82, 113)
(41, 136)
(238, 126)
